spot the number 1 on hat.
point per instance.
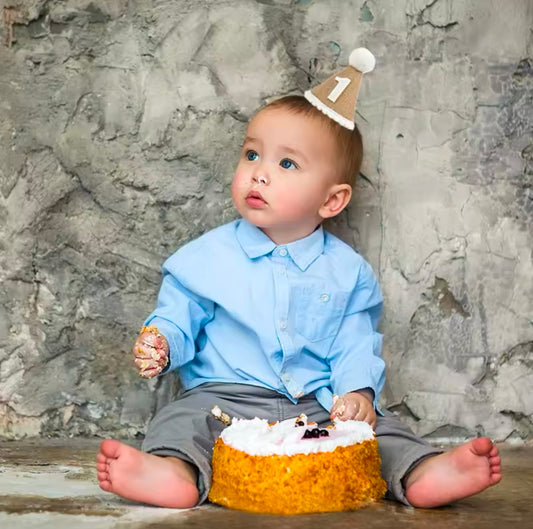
(342, 83)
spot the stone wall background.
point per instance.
(120, 124)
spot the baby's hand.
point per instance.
(356, 405)
(150, 352)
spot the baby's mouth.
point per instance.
(254, 198)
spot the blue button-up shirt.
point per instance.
(298, 318)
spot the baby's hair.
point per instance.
(349, 142)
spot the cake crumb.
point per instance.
(220, 415)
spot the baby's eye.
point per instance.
(287, 164)
(251, 156)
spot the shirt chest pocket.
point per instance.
(318, 312)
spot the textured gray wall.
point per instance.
(120, 124)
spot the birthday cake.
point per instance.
(293, 466)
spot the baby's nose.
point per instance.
(261, 179)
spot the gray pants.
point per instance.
(186, 429)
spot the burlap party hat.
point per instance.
(337, 95)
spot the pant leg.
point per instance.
(400, 451)
(186, 429)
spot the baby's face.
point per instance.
(286, 169)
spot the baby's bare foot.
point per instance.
(463, 471)
(138, 476)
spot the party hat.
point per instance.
(337, 95)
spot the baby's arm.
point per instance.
(357, 369)
(168, 340)
(355, 405)
(150, 352)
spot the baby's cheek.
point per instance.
(239, 178)
(236, 185)
(289, 205)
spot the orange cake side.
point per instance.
(343, 479)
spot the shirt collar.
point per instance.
(256, 243)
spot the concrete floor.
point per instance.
(51, 484)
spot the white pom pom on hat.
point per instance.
(337, 96)
(362, 59)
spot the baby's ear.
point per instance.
(338, 198)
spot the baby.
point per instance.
(269, 316)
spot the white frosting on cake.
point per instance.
(257, 438)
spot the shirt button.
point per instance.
(324, 297)
(283, 252)
(283, 324)
(285, 377)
